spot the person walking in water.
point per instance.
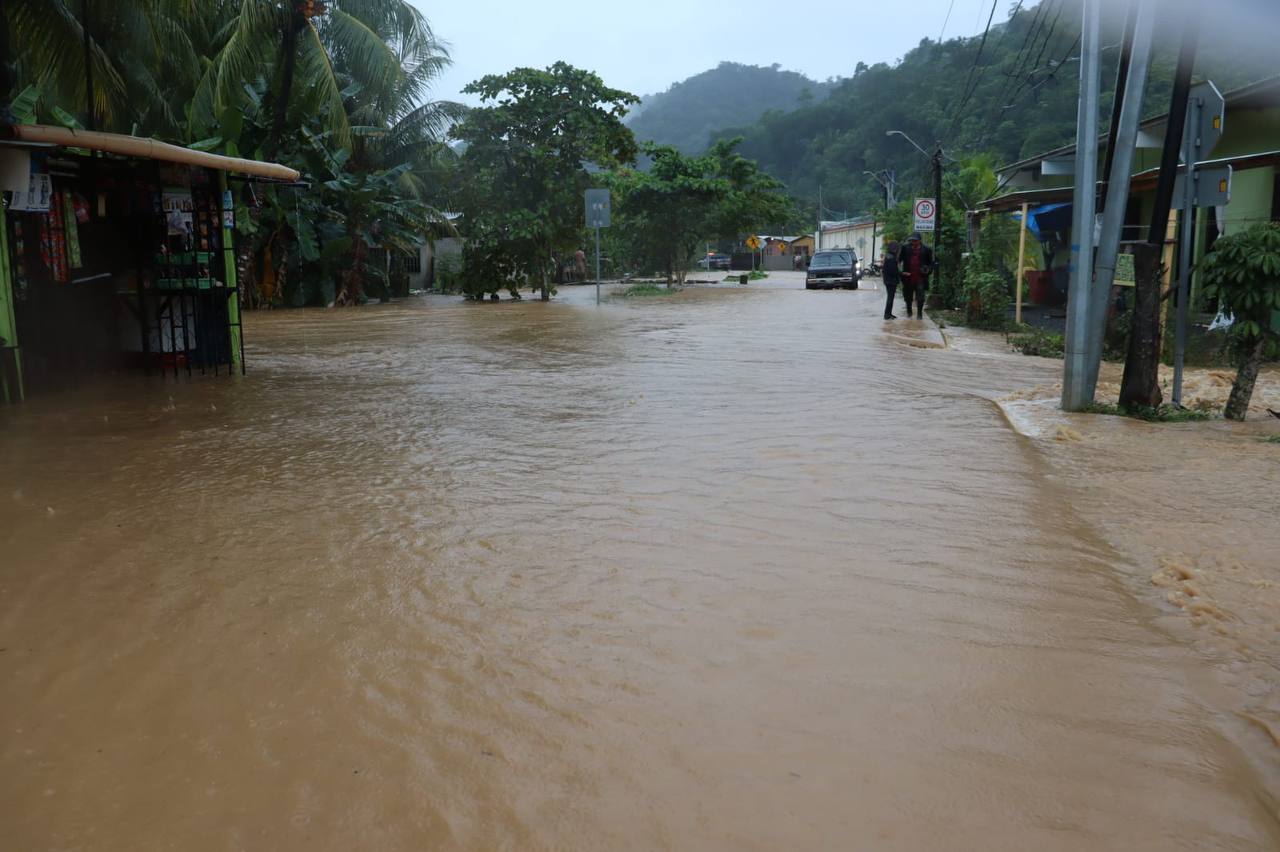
(915, 264)
(892, 276)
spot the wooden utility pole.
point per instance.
(937, 215)
(1140, 386)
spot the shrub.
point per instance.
(1038, 341)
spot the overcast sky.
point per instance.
(644, 47)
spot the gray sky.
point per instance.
(644, 47)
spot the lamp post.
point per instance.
(936, 159)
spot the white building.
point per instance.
(424, 269)
(865, 235)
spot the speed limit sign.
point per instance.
(926, 214)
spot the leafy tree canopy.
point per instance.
(529, 149)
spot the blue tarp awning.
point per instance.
(1047, 217)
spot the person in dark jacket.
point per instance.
(915, 264)
(889, 269)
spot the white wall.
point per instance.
(856, 237)
(447, 250)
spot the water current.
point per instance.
(732, 569)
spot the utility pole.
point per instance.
(1074, 396)
(817, 241)
(937, 215)
(1132, 80)
(1140, 386)
(1186, 238)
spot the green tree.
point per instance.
(755, 199)
(1243, 273)
(667, 210)
(526, 165)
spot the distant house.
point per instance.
(434, 257)
(1250, 144)
(780, 252)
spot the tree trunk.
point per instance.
(1141, 384)
(289, 47)
(546, 291)
(356, 276)
(1242, 390)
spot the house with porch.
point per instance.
(1041, 187)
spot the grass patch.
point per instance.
(753, 275)
(1163, 414)
(944, 318)
(1274, 439)
(1037, 341)
(649, 290)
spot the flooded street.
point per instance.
(731, 569)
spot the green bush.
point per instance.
(1038, 341)
(986, 298)
(648, 290)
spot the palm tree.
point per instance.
(149, 59)
(301, 44)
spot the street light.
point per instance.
(936, 159)
(909, 139)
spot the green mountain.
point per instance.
(728, 95)
(1012, 95)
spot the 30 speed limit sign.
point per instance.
(926, 214)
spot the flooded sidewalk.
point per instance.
(732, 569)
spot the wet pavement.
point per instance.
(737, 568)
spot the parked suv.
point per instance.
(714, 261)
(831, 269)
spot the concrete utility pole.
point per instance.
(1123, 143)
(1074, 395)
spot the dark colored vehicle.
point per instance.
(714, 261)
(831, 269)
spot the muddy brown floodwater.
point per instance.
(727, 570)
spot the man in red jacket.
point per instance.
(915, 262)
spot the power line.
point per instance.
(982, 72)
(1024, 52)
(1035, 65)
(945, 20)
(970, 84)
(1020, 60)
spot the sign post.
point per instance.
(598, 210)
(925, 212)
(753, 243)
(1199, 188)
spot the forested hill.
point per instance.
(1015, 96)
(729, 95)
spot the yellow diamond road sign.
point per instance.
(753, 243)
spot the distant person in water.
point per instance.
(915, 264)
(889, 267)
(580, 265)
